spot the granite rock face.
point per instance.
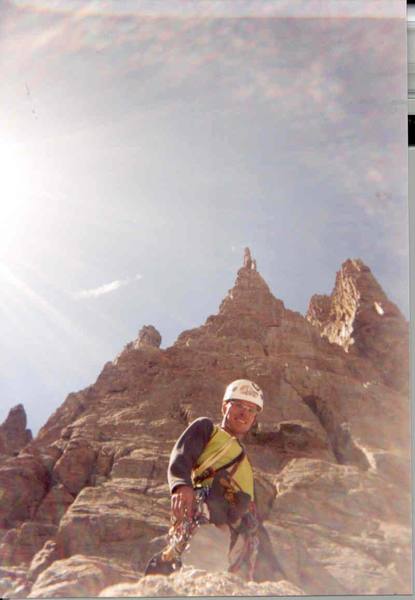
(86, 503)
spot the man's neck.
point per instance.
(230, 432)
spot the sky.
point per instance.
(145, 144)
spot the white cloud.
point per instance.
(106, 288)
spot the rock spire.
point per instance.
(148, 337)
(85, 504)
(13, 433)
(360, 318)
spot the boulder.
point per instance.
(114, 520)
(78, 577)
(43, 559)
(354, 525)
(191, 582)
(13, 579)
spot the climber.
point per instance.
(212, 491)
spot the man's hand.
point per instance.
(182, 502)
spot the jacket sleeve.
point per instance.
(186, 451)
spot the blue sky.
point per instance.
(142, 154)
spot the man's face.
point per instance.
(239, 416)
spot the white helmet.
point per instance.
(243, 389)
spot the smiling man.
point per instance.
(213, 513)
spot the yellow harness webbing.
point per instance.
(211, 459)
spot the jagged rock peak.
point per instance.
(16, 417)
(148, 336)
(358, 315)
(13, 433)
(86, 504)
(246, 312)
(248, 282)
(251, 296)
(356, 291)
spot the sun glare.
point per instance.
(15, 196)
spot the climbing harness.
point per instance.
(200, 470)
(219, 502)
(244, 545)
(202, 473)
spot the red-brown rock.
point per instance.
(42, 560)
(112, 520)
(191, 582)
(79, 576)
(24, 482)
(13, 433)
(74, 467)
(19, 545)
(148, 336)
(54, 504)
(359, 317)
(353, 523)
(330, 452)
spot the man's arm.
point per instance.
(183, 458)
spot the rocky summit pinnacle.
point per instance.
(247, 313)
(360, 318)
(251, 297)
(85, 504)
(13, 433)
